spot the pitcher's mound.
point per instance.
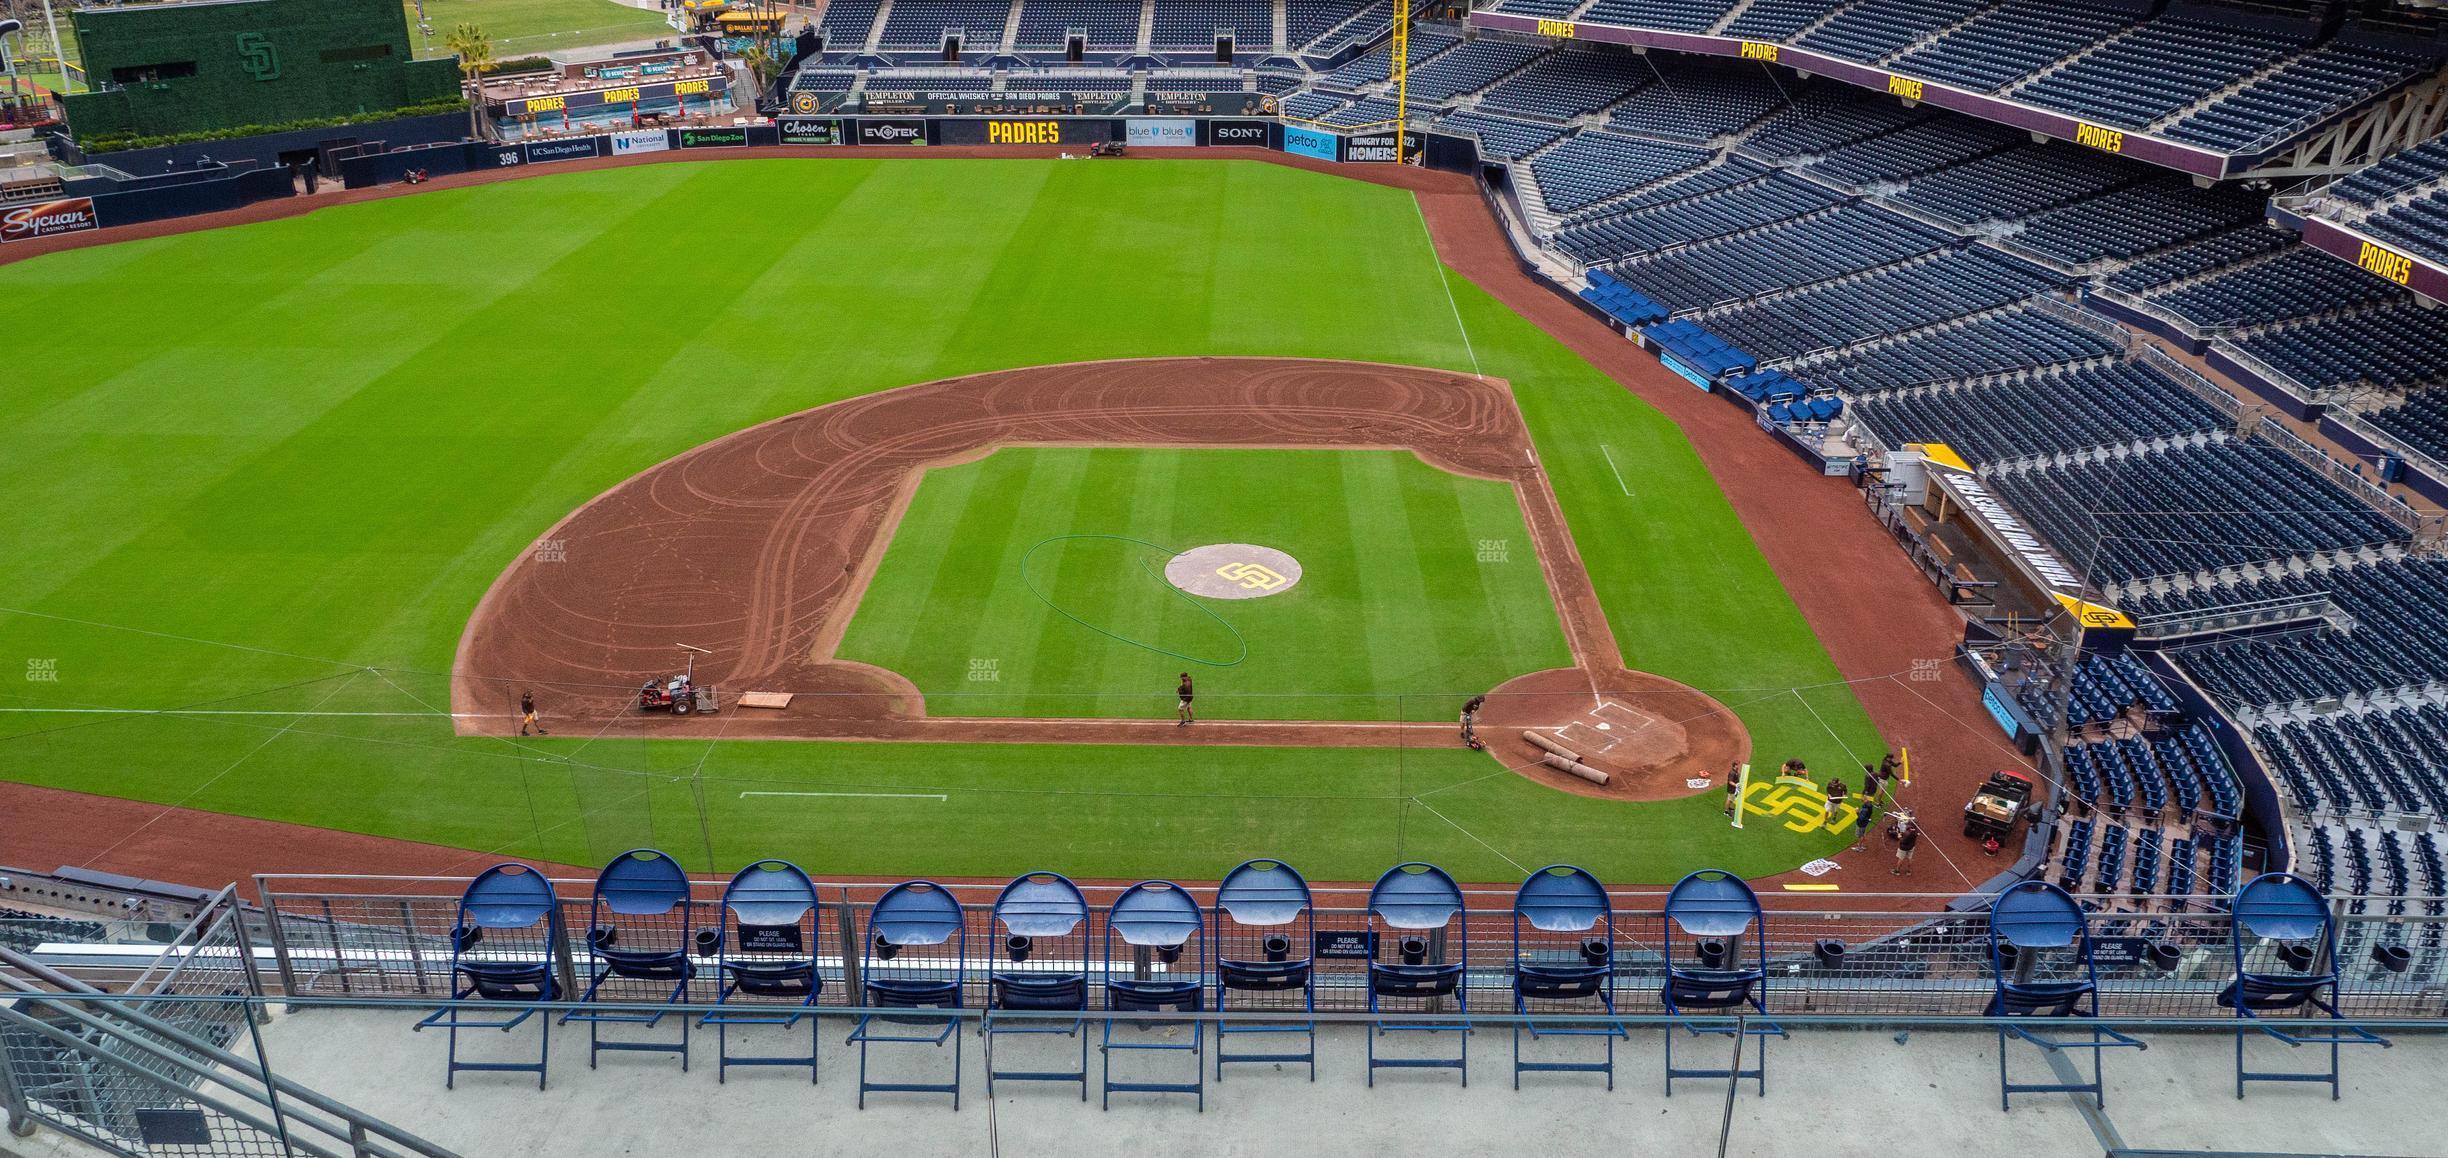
(1650, 735)
(1233, 571)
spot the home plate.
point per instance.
(766, 699)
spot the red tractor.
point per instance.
(677, 695)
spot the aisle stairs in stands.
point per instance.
(1281, 40)
(875, 32)
(1147, 26)
(2064, 62)
(2244, 82)
(1732, 14)
(1011, 30)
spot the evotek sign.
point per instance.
(2388, 263)
(49, 219)
(2105, 140)
(1024, 132)
(892, 132)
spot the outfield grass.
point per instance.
(535, 27)
(286, 494)
(985, 602)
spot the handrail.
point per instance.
(23, 1023)
(127, 1010)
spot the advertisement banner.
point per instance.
(1247, 134)
(1301, 142)
(810, 131)
(1168, 133)
(1378, 148)
(48, 219)
(571, 150)
(640, 141)
(894, 132)
(482, 156)
(733, 137)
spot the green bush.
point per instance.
(518, 64)
(125, 141)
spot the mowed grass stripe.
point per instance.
(1365, 625)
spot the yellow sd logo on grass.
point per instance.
(1802, 805)
(1254, 576)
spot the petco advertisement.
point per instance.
(892, 132)
(1144, 132)
(640, 141)
(49, 219)
(1302, 142)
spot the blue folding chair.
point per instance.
(1564, 962)
(2041, 956)
(1265, 945)
(914, 958)
(1715, 912)
(1417, 909)
(2286, 960)
(1157, 923)
(639, 926)
(765, 960)
(1044, 970)
(502, 946)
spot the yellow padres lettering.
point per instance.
(619, 96)
(1754, 50)
(1562, 29)
(687, 87)
(1905, 87)
(1023, 133)
(1253, 576)
(2390, 264)
(1803, 807)
(547, 104)
(2105, 140)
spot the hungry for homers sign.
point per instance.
(49, 219)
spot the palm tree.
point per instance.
(762, 64)
(475, 56)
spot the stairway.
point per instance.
(875, 32)
(1147, 26)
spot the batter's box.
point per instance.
(1587, 736)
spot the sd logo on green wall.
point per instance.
(257, 56)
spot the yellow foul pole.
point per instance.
(1402, 75)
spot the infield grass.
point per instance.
(988, 602)
(263, 474)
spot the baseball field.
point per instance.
(261, 478)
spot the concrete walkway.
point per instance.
(1832, 1094)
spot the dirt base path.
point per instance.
(758, 545)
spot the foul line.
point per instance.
(870, 795)
(1517, 865)
(1444, 279)
(1619, 479)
